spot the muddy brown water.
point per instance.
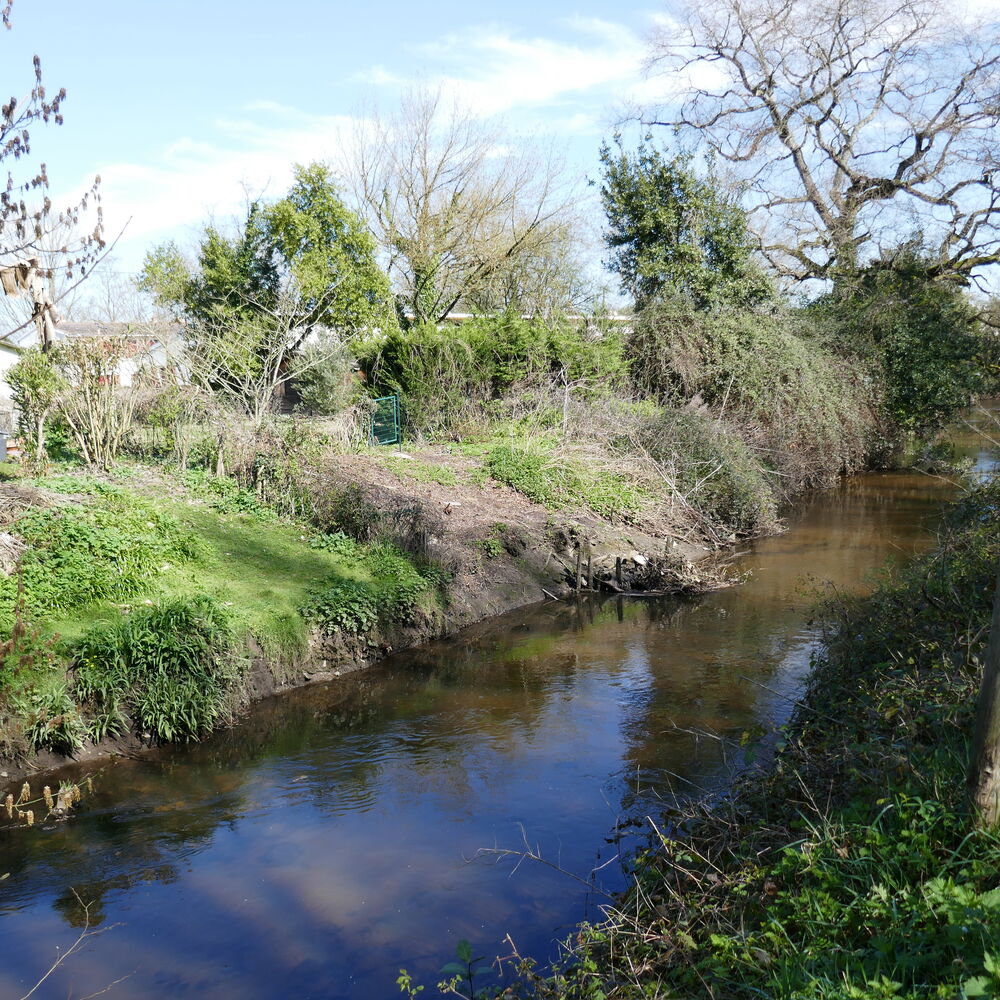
(346, 831)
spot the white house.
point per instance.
(151, 341)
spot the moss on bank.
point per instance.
(852, 869)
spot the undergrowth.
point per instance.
(389, 589)
(106, 547)
(557, 481)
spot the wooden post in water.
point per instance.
(590, 566)
(618, 572)
(579, 560)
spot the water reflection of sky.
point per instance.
(332, 838)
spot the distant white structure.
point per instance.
(152, 351)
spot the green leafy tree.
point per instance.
(672, 232)
(35, 384)
(164, 276)
(251, 300)
(921, 334)
(329, 255)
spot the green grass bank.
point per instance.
(147, 607)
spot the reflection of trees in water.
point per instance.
(710, 662)
(417, 721)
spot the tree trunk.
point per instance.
(984, 763)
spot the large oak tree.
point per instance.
(854, 124)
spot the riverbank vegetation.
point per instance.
(193, 463)
(851, 866)
(140, 607)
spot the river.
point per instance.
(344, 831)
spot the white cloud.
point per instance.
(492, 71)
(193, 180)
(567, 85)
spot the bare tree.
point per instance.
(38, 241)
(550, 280)
(247, 358)
(855, 124)
(455, 206)
(95, 406)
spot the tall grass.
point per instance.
(166, 669)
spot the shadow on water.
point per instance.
(332, 836)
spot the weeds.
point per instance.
(558, 482)
(391, 593)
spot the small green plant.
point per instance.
(169, 667)
(492, 547)
(390, 594)
(345, 606)
(463, 974)
(52, 719)
(338, 543)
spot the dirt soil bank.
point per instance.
(501, 552)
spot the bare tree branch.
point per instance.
(848, 120)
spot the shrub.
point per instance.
(323, 376)
(714, 470)
(35, 385)
(445, 375)
(391, 593)
(811, 412)
(169, 667)
(52, 719)
(920, 335)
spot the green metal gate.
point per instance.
(385, 421)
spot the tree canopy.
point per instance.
(672, 232)
(306, 254)
(464, 214)
(251, 299)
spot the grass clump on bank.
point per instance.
(853, 869)
(169, 668)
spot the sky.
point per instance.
(184, 107)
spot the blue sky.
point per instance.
(180, 106)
